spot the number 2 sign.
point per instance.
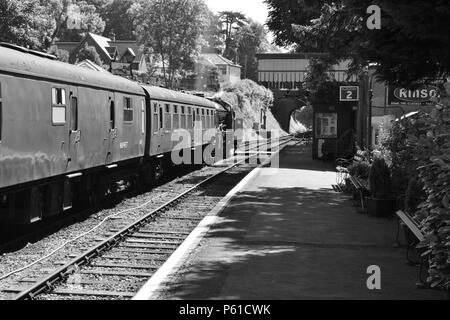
(349, 93)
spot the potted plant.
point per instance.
(381, 203)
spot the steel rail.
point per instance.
(49, 282)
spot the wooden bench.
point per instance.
(343, 164)
(360, 187)
(408, 221)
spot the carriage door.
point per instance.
(74, 129)
(112, 128)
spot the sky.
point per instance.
(255, 9)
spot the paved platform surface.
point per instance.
(287, 235)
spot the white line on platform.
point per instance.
(153, 287)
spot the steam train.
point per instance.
(68, 134)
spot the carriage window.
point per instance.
(155, 118)
(112, 115)
(161, 119)
(183, 118)
(74, 114)
(175, 109)
(168, 119)
(143, 116)
(59, 96)
(58, 106)
(127, 110)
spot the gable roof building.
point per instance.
(229, 72)
(117, 54)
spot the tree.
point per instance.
(76, 19)
(252, 40)
(172, 28)
(212, 36)
(412, 44)
(25, 23)
(118, 20)
(232, 23)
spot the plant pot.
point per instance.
(382, 208)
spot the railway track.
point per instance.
(14, 239)
(126, 256)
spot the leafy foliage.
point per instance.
(233, 22)
(90, 53)
(117, 19)
(420, 147)
(172, 29)
(412, 44)
(248, 99)
(360, 169)
(25, 23)
(380, 179)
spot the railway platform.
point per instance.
(285, 234)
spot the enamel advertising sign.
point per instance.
(422, 96)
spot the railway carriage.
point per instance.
(61, 127)
(68, 134)
(169, 113)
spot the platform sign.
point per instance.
(349, 93)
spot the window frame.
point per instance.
(128, 108)
(72, 108)
(56, 106)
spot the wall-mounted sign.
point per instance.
(349, 93)
(421, 96)
(326, 125)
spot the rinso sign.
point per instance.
(421, 96)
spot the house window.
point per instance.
(58, 106)
(223, 70)
(127, 109)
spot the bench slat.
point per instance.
(411, 224)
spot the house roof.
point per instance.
(102, 42)
(131, 46)
(108, 47)
(218, 60)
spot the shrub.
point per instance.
(360, 169)
(380, 179)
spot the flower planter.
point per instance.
(382, 208)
